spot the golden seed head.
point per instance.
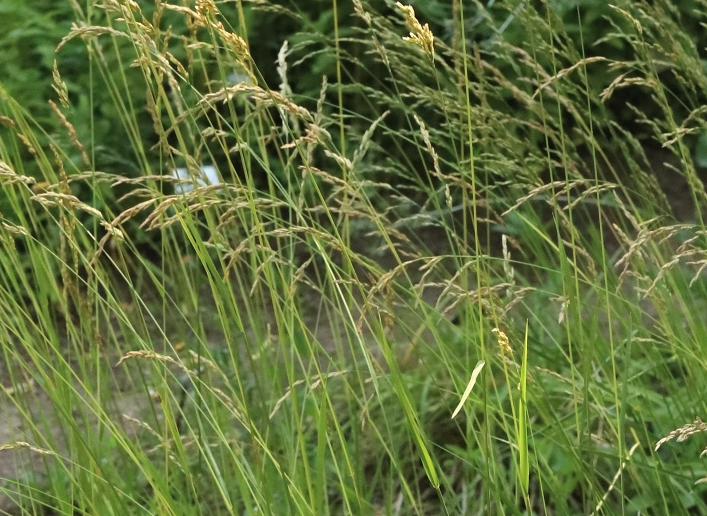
(206, 7)
(419, 35)
(503, 342)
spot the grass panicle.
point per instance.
(291, 334)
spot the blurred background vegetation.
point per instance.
(580, 29)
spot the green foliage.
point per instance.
(297, 334)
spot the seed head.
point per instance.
(419, 35)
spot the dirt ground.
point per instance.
(25, 463)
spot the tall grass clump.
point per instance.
(242, 277)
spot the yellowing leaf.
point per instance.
(469, 386)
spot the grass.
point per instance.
(450, 224)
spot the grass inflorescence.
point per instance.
(449, 261)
